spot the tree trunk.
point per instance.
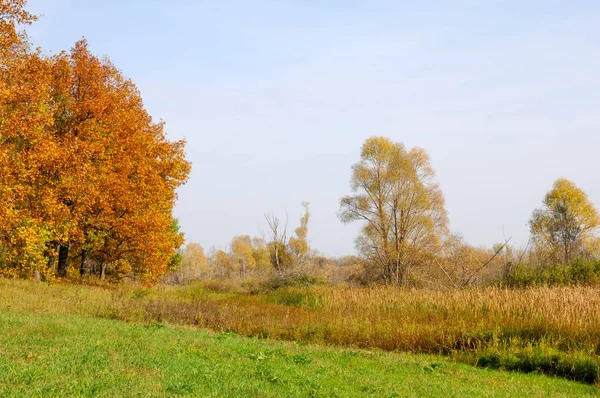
(82, 268)
(51, 256)
(63, 256)
(103, 272)
(51, 261)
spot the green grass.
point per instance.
(44, 354)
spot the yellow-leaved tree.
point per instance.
(299, 243)
(242, 254)
(567, 225)
(193, 266)
(401, 207)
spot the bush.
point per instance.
(281, 282)
(224, 285)
(294, 297)
(580, 272)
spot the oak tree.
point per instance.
(25, 113)
(85, 173)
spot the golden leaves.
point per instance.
(400, 205)
(567, 225)
(81, 162)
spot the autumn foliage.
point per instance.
(86, 177)
(88, 182)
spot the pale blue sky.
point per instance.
(276, 97)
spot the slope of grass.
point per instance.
(67, 355)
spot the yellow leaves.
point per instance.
(567, 226)
(379, 149)
(299, 243)
(242, 253)
(565, 194)
(222, 260)
(24, 246)
(401, 207)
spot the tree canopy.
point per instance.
(400, 204)
(84, 171)
(567, 225)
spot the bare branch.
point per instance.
(498, 251)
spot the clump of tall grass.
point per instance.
(541, 359)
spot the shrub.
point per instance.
(280, 282)
(580, 272)
(226, 285)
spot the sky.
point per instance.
(276, 97)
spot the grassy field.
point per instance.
(68, 355)
(545, 330)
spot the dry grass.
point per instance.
(551, 325)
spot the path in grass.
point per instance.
(66, 355)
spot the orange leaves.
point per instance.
(12, 12)
(123, 171)
(81, 162)
(24, 115)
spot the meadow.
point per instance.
(54, 355)
(550, 330)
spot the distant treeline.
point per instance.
(405, 239)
